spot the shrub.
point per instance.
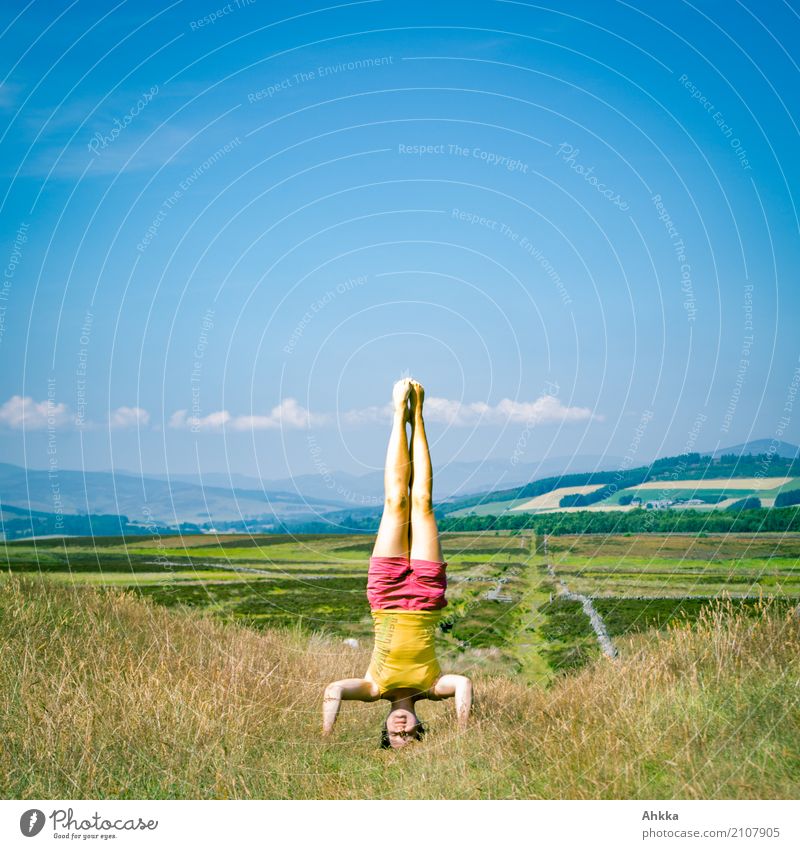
(787, 499)
(749, 503)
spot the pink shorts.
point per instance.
(400, 583)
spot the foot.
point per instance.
(401, 392)
(417, 398)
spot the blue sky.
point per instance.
(228, 228)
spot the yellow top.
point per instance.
(404, 655)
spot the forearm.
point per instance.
(463, 699)
(457, 687)
(331, 700)
(347, 688)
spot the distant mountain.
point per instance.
(758, 446)
(344, 488)
(145, 499)
(234, 480)
(229, 501)
(19, 523)
(465, 478)
(451, 480)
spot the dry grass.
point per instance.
(715, 483)
(104, 695)
(551, 500)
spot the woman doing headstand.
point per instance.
(406, 589)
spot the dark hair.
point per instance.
(385, 744)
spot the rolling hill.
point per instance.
(458, 478)
(144, 499)
(697, 481)
(35, 502)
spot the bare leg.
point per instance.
(393, 534)
(425, 543)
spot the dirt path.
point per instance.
(527, 643)
(598, 626)
(497, 594)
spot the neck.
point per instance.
(404, 702)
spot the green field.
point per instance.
(677, 490)
(507, 610)
(193, 668)
(107, 695)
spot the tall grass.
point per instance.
(105, 695)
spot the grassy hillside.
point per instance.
(740, 474)
(505, 611)
(103, 694)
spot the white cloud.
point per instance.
(178, 419)
(214, 421)
(288, 414)
(546, 409)
(128, 417)
(369, 415)
(24, 413)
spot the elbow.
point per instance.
(332, 691)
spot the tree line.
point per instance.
(785, 520)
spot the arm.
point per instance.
(349, 688)
(460, 687)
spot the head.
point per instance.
(401, 728)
